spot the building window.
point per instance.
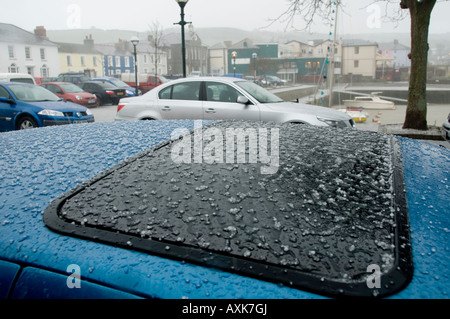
(30, 70)
(44, 71)
(83, 60)
(13, 68)
(356, 50)
(117, 61)
(42, 54)
(11, 51)
(110, 61)
(127, 62)
(356, 64)
(94, 61)
(27, 53)
(69, 60)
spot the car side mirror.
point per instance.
(242, 99)
(6, 100)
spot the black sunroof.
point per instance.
(324, 213)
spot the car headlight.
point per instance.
(78, 97)
(130, 93)
(88, 112)
(51, 113)
(332, 123)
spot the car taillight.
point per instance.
(110, 92)
(119, 107)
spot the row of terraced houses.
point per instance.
(34, 53)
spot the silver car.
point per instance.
(208, 98)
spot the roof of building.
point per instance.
(12, 34)
(393, 46)
(357, 43)
(77, 48)
(244, 44)
(115, 49)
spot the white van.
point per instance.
(17, 77)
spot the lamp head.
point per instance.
(134, 40)
(182, 3)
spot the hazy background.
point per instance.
(362, 16)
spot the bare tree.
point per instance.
(420, 13)
(155, 39)
(416, 111)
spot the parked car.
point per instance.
(104, 91)
(73, 77)
(446, 129)
(24, 106)
(272, 81)
(17, 77)
(224, 98)
(131, 91)
(251, 78)
(72, 93)
(41, 80)
(145, 82)
(111, 215)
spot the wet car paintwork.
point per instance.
(45, 163)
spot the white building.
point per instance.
(24, 52)
(150, 60)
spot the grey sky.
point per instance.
(360, 16)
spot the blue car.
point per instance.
(221, 210)
(131, 91)
(25, 106)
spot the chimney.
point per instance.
(41, 32)
(89, 42)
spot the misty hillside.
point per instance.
(211, 36)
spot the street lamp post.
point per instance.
(135, 42)
(234, 54)
(254, 56)
(182, 23)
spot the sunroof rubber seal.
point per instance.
(368, 285)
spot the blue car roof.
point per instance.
(42, 164)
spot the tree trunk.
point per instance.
(416, 111)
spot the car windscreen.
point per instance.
(318, 209)
(71, 88)
(22, 80)
(259, 93)
(119, 83)
(32, 93)
(106, 85)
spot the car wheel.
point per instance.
(26, 122)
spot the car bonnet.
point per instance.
(47, 163)
(63, 106)
(301, 108)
